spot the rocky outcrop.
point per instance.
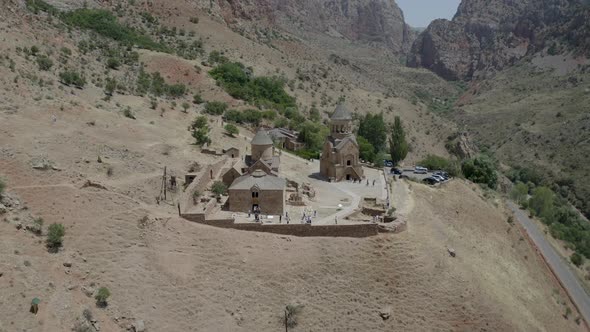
(488, 35)
(371, 21)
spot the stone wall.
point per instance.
(201, 183)
(270, 201)
(358, 231)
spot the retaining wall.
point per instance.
(302, 230)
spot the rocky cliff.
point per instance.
(370, 21)
(488, 35)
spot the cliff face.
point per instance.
(487, 35)
(370, 21)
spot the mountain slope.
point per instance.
(376, 22)
(485, 36)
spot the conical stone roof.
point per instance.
(341, 113)
(261, 138)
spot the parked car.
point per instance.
(396, 171)
(431, 181)
(420, 171)
(420, 168)
(388, 163)
(443, 174)
(440, 178)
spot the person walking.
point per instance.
(336, 220)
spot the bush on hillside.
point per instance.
(105, 24)
(231, 129)
(519, 193)
(481, 169)
(44, 62)
(239, 82)
(55, 234)
(215, 108)
(101, 297)
(72, 78)
(577, 259)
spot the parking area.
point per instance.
(419, 175)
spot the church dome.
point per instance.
(341, 113)
(261, 138)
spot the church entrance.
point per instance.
(348, 177)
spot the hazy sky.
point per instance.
(419, 13)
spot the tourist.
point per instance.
(315, 213)
(367, 182)
(281, 219)
(373, 183)
(336, 220)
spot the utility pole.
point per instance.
(164, 182)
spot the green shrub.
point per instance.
(577, 259)
(313, 134)
(2, 187)
(185, 106)
(55, 234)
(519, 193)
(72, 78)
(199, 122)
(366, 149)
(38, 5)
(155, 84)
(219, 188)
(542, 203)
(372, 127)
(481, 169)
(239, 82)
(398, 146)
(113, 63)
(102, 296)
(434, 162)
(231, 129)
(105, 24)
(201, 136)
(44, 62)
(215, 108)
(197, 99)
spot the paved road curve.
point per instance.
(559, 266)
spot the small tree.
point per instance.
(55, 234)
(199, 122)
(577, 259)
(201, 136)
(197, 99)
(102, 296)
(232, 130)
(519, 193)
(219, 188)
(398, 147)
(185, 106)
(481, 169)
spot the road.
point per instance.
(561, 268)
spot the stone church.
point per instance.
(340, 156)
(254, 184)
